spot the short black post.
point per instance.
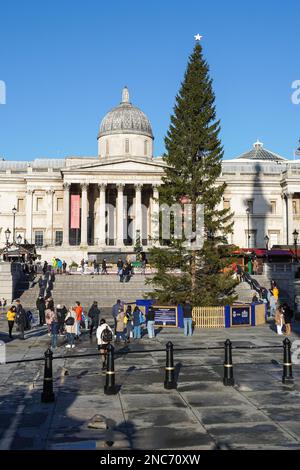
(47, 394)
(170, 382)
(228, 367)
(287, 377)
(110, 386)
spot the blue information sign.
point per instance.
(240, 315)
(165, 316)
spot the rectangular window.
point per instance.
(39, 238)
(145, 147)
(273, 238)
(226, 203)
(21, 205)
(296, 206)
(39, 204)
(58, 237)
(59, 204)
(273, 207)
(250, 205)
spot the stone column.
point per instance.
(66, 216)
(84, 213)
(290, 219)
(138, 211)
(49, 217)
(120, 215)
(155, 216)
(284, 238)
(101, 224)
(29, 200)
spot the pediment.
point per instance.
(128, 165)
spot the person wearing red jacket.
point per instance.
(78, 310)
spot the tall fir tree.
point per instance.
(193, 157)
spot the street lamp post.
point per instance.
(248, 226)
(14, 211)
(7, 235)
(295, 235)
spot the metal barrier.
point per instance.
(209, 317)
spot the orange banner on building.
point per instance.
(75, 211)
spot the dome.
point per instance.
(125, 119)
(259, 153)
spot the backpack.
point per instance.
(106, 335)
(70, 321)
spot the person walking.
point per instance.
(96, 267)
(104, 336)
(82, 266)
(120, 265)
(49, 303)
(94, 315)
(41, 306)
(272, 303)
(11, 315)
(187, 318)
(129, 322)
(137, 322)
(48, 315)
(287, 315)
(275, 292)
(64, 267)
(255, 267)
(279, 320)
(54, 326)
(104, 267)
(45, 266)
(78, 309)
(115, 310)
(120, 327)
(21, 319)
(61, 312)
(70, 324)
(150, 322)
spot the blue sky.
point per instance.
(65, 62)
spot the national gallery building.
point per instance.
(81, 207)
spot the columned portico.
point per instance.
(84, 212)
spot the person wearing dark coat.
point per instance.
(40, 305)
(187, 318)
(61, 312)
(21, 318)
(94, 314)
(45, 267)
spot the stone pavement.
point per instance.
(259, 412)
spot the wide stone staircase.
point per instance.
(244, 292)
(87, 288)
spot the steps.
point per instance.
(104, 289)
(244, 292)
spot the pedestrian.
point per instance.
(144, 265)
(120, 265)
(48, 315)
(11, 315)
(255, 298)
(82, 266)
(61, 312)
(49, 303)
(137, 322)
(114, 312)
(21, 319)
(104, 267)
(275, 292)
(279, 320)
(78, 310)
(59, 266)
(104, 336)
(129, 322)
(187, 318)
(64, 266)
(94, 315)
(255, 267)
(54, 326)
(70, 324)
(41, 306)
(287, 315)
(96, 267)
(150, 322)
(120, 327)
(45, 267)
(272, 304)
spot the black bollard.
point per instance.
(170, 382)
(287, 377)
(47, 394)
(228, 367)
(110, 386)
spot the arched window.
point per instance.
(126, 145)
(145, 147)
(107, 148)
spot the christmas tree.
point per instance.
(193, 156)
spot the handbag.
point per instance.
(70, 321)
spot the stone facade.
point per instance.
(118, 192)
